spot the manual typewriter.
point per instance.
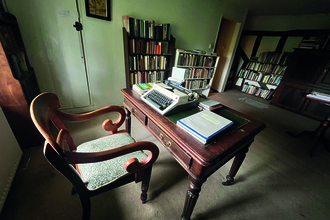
(170, 98)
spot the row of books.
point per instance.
(18, 63)
(196, 84)
(186, 59)
(204, 125)
(146, 29)
(261, 77)
(265, 67)
(198, 52)
(257, 91)
(140, 62)
(272, 79)
(315, 42)
(248, 74)
(193, 73)
(274, 57)
(148, 46)
(7, 38)
(147, 77)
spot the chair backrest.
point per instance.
(44, 110)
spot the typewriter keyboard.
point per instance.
(159, 100)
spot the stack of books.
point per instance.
(209, 104)
(142, 88)
(146, 28)
(204, 125)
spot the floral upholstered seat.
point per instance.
(100, 173)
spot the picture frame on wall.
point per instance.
(98, 9)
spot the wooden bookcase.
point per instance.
(261, 76)
(18, 84)
(143, 63)
(200, 70)
(307, 71)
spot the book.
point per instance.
(142, 88)
(209, 104)
(22, 59)
(131, 23)
(204, 125)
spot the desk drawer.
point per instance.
(136, 112)
(183, 158)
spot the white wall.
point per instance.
(10, 155)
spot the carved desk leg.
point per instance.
(191, 197)
(128, 121)
(316, 135)
(235, 166)
(319, 134)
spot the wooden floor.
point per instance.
(276, 181)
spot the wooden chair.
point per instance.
(98, 165)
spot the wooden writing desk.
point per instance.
(200, 161)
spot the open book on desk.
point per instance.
(204, 125)
(320, 96)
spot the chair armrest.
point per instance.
(107, 125)
(132, 165)
(65, 137)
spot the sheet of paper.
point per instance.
(239, 82)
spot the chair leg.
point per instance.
(145, 184)
(86, 207)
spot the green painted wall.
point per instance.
(194, 23)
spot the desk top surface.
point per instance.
(320, 97)
(221, 146)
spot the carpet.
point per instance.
(254, 103)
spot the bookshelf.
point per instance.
(260, 76)
(199, 69)
(148, 51)
(18, 84)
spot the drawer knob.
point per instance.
(134, 111)
(168, 144)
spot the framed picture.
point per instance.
(98, 9)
